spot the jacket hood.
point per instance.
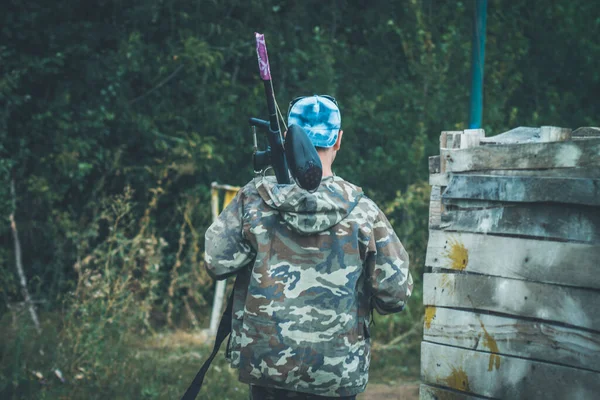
(310, 213)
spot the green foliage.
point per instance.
(129, 367)
(101, 342)
(113, 124)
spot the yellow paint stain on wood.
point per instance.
(458, 380)
(490, 343)
(458, 255)
(429, 316)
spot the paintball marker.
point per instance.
(295, 155)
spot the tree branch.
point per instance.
(19, 261)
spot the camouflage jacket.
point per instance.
(309, 268)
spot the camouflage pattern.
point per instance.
(310, 267)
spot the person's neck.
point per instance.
(326, 162)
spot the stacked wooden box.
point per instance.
(512, 284)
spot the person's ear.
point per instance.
(338, 142)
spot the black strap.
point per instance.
(222, 332)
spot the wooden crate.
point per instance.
(512, 284)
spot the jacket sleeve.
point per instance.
(390, 281)
(227, 249)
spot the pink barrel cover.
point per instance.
(263, 58)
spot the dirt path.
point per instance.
(378, 391)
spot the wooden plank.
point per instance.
(554, 134)
(525, 134)
(514, 337)
(476, 132)
(471, 138)
(586, 132)
(447, 142)
(456, 204)
(443, 139)
(549, 221)
(427, 392)
(584, 191)
(508, 378)
(468, 141)
(435, 207)
(572, 264)
(434, 165)
(564, 304)
(569, 154)
(439, 179)
(521, 134)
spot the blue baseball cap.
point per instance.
(319, 116)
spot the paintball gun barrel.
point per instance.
(296, 154)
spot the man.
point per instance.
(310, 268)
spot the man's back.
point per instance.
(310, 268)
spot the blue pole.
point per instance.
(477, 61)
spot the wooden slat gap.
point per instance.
(459, 204)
